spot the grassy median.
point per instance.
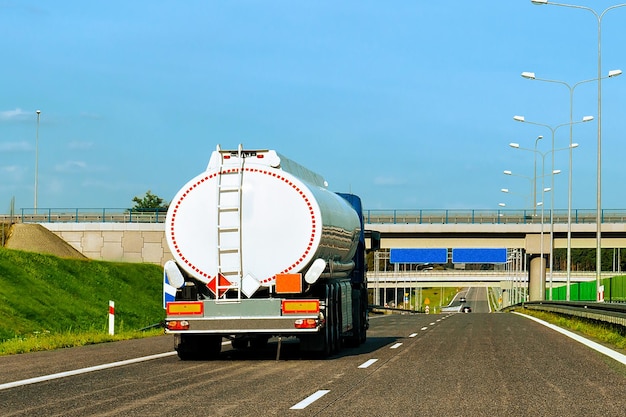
(613, 335)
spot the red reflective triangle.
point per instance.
(223, 282)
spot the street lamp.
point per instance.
(531, 76)
(599, 17)
(553, 130)
(36, 158)
(507, 191)
(544, 190)
(535, 172)
(531, 180)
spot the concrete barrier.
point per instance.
(121, 242)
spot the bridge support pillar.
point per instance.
(537, 278)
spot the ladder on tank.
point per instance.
(229, 261)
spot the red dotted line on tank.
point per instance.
(232, 171)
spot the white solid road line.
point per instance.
(310, 399)
(82, 371)
(593, 345)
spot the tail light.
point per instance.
(306, 323)
(177, 325)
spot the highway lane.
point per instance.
(477, 299)
(444, 365)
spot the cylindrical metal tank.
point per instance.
(261, 214)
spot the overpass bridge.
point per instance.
(528, 235)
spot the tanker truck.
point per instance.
(262, 249)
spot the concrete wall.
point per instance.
(123, 242)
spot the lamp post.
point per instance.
(535, 172)
(571, 88)
(544, 190)
(532, 181)
(36, 159)
(553, 130)
(507, 191)
(599, 17)
(512, 275)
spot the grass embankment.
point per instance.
(48, 302)
(605, 333)
(433, 298)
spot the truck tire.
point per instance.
(364, 323)
(337, 318)
(239, 342)
(259, 342)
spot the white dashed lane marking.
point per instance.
(368, 363)
(310, 399)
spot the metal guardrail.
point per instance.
(394, 216)
(613, 313)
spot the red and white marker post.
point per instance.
(111, 318)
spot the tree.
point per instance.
(149, 202)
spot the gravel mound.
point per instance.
(36, 238)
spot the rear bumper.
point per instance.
(223, 325)
(261, 316)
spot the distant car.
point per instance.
(467, 309)
(462, 299)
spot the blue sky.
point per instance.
(408, 104)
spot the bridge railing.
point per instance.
(394, 216)
(422, 216)
(86, 215)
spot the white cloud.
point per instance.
(381, 180)
(17, 114)
(71, 166)
(79, 145)
(12, 172)
(15, 146)
(106, 185)
(9, 169)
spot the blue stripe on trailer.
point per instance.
(169, 292)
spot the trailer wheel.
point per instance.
(239, 343)
(359, 317)
(364, 323)
(337, 318)
(259, 342)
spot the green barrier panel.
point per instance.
(614, 290)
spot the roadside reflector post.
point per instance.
(111, 318)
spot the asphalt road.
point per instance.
(411, 365)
